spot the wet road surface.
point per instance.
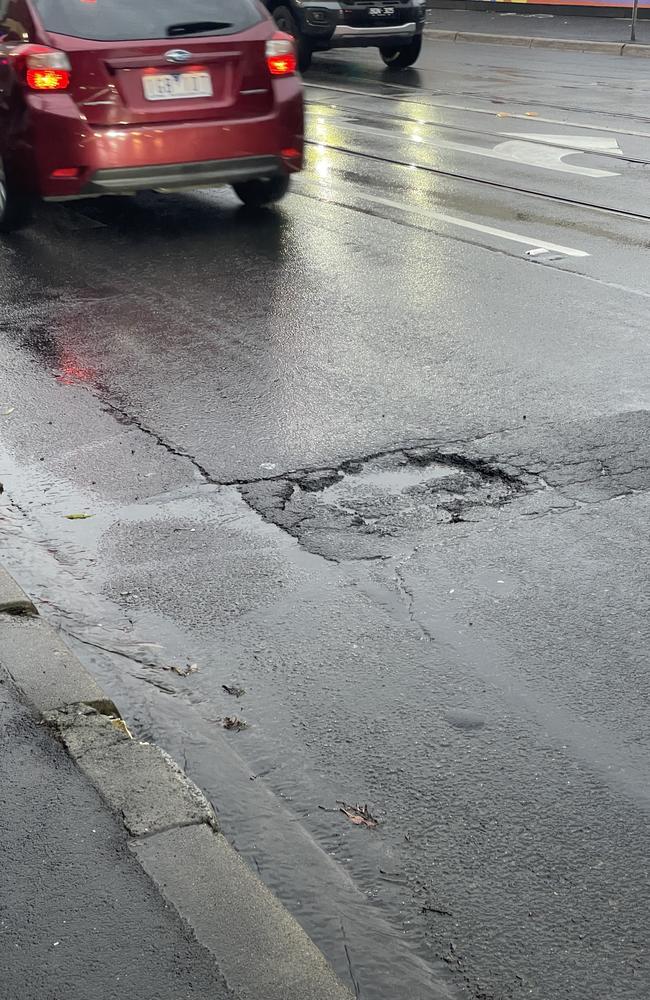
(380, 458)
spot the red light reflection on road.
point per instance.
(72, 371)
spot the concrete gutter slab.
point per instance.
(632, 49)
(535, 42)
(474, 36)
(265, 954)
(13, 601)
(577, 45)
(44, 669)
(139, 781)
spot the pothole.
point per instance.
(377, 507)
(386, 478)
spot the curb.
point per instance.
(531, 42)
(172, 830)
(12, 600)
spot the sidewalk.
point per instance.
(114, 880)
(587, 34)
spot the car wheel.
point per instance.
(257, 193)
(16, 209)
(402, 56)
(287, 22)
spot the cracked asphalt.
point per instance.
(369, 460)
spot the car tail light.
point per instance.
(45, 69)
(281, 55)
(48, 79)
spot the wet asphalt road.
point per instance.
(382, 459)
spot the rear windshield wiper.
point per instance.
(196, 27)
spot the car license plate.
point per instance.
(176, 86)
(382, 11)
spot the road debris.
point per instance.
(78, 517)
(233, 690)
(234, 724)
(358, 815)
(427, 908)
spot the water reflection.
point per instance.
(144, 278)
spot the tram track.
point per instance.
(521, 116)
(482, 181)
(492, 134)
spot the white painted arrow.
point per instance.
(520, 150)
(549, 151)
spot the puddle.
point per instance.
(390, 478)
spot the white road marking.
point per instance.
(549, 157)
(595, 144)
(534, 154)
(477, 227)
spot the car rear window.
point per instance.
(128, 20)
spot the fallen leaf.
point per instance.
(122, 726)
(234, 723)
(357, 814)
(78, 517)
(532, 114)
(233, 690)
(192, 668)
(10, 409)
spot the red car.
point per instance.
(116, 96)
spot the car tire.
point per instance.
(402, 56)
(287, 22)
(16, 209)
(265, 191)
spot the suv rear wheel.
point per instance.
(257, 193)
(286, 22)
(15, 209)
(402, 56)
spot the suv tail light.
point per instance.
(281, 55)
(44, 69)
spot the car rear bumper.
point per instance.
(329, 24)
(345, 35)
(176, 176)
(127, 158)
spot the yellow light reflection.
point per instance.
(322, 167)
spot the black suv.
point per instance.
(395, 28)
